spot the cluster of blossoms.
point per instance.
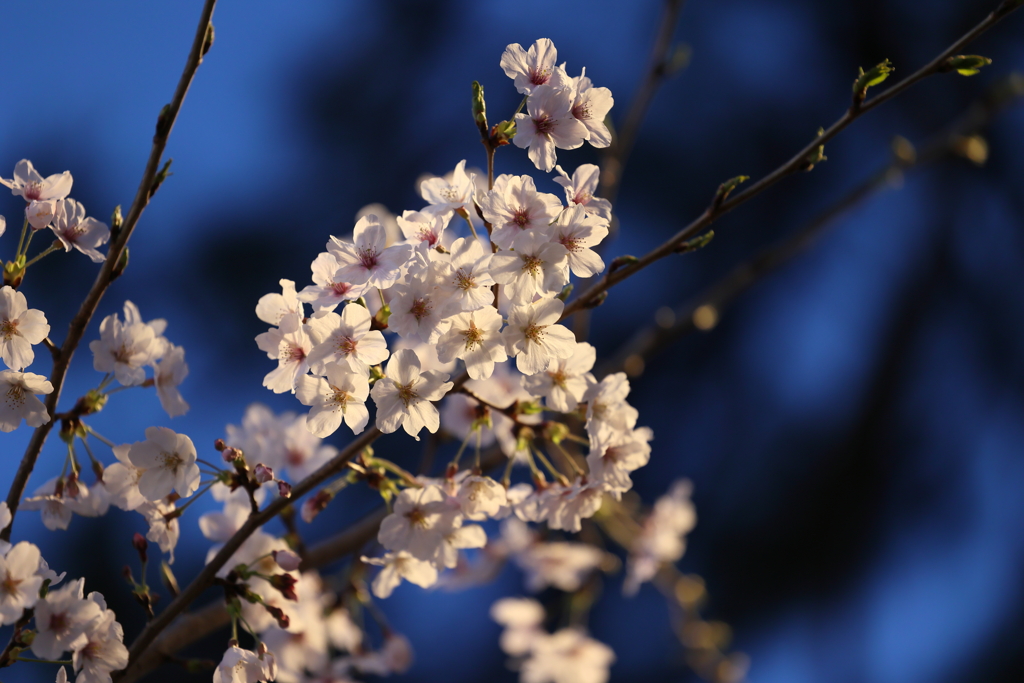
(66, 619)
(410, 313)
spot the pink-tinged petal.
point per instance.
(323, 419)
(542, 153)
(356, 417)
(404, 367)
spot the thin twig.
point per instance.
(705, 309)
(717, 209)
(109, 271)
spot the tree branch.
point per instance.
(688, 318)
(151, 179)
(719, 208)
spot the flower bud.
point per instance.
(286, 560)
(284, 489)
(140, 544)
(315, 505)
(263, 474)
(285, 583)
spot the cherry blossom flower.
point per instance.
(19, 581)
(562, 565)
(341, 396)
(293, 351)
(577, 231)
(395, 657)
(124, 349)
(403, 397)
(327, 291)
(465, 278)
(40, 194)
(122, 480)
(104, 651)
(523, 619)
(162, 531)
(564, 506)
(73, 229)
(62, 618)
(590, 107)
(566, 380)
(459, 538)
(345, 338)
(417, 307)
(447, 196)
(580, 189)
(663, 538)
(27, 183)
(18, 391)
(168, 374)
(342, 632)
(567, 656)
(169, 461)
(549, 124)
(533, 336)
(273, 308)
(514, 208)
(20, 328)
(132, 316)
(536, 267)
(3, 225)
(398, 566)
(617, 456)
(418, 523)
(366, 260)
(475, 337)
(244, 666)
(607, 410)
(533, 67)
(300, 452)
(423, 228)
(56, 501)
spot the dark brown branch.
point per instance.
(718, 209)
(109, 271)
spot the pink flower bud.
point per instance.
(140, 544)
(286, 560)
(315, 505)
(263, 474)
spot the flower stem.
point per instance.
(46, 252)
(21, 240)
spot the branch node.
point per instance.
(698, 242)
(869, 78)
(725, 188)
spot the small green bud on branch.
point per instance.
(965, 65)
(480, 109)
(161, 176)
(698, 242)
(868, 79)
(725, 188)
